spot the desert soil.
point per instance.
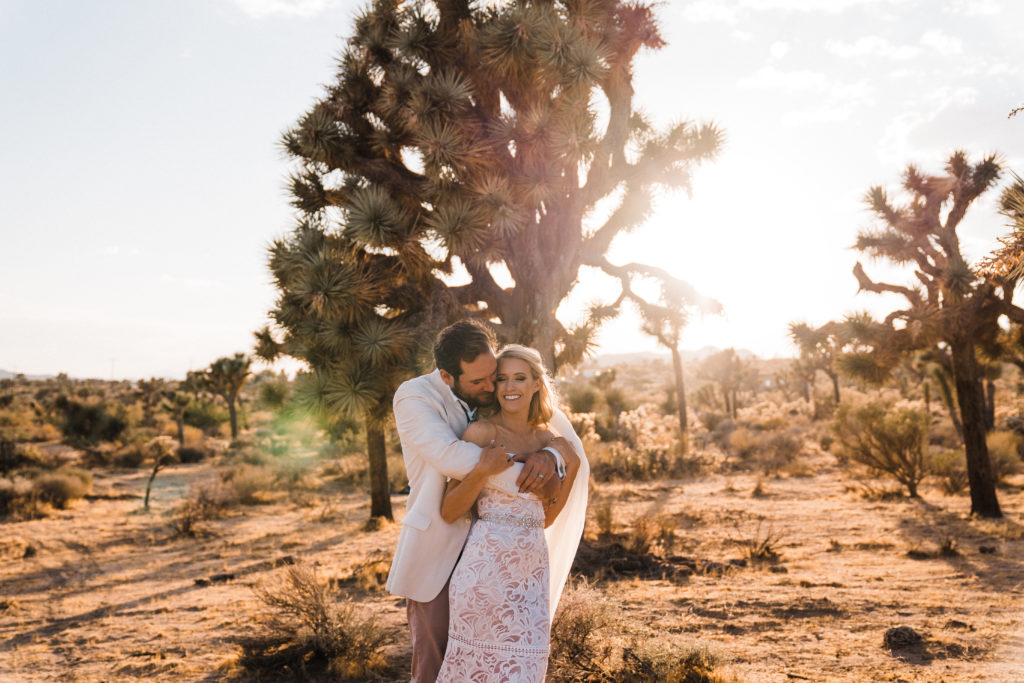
(105, 591)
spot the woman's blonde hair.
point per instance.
(542, 405)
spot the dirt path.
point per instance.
(107, 592)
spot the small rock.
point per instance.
(30, 551)
(900, 637)
(955, 624)
(282, 561)
(221, 578)
(778, 569)
(738, 562)
(202, 582)
(987, 550)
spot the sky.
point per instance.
(142, 179)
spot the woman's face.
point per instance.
(515, 385)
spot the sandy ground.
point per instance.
(106, 591)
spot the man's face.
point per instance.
(475, 385)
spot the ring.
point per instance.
(540, 476)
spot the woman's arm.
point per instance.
(554, 504)
(459, 495)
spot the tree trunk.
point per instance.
(677, 367)
(970, 396)
(233, 412)
(380, 493)
(835, 385)
(735, 407)
(180, 419)
(990, 404)
(947, 398)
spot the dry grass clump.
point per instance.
(210, 500)
(253, 484)
(587, 645)
(31, 495)
(761, 545)
(1004, 447)
(61, 487)
(950, 467)
(306, 633)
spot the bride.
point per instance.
(500, 608)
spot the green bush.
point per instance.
(950, 467)
(207, 416)
(885, 438)
(62, 486)
(1004, 453)
(88, 424)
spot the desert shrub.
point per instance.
(305, 628)
(582, 399)
(886, 438)
(580, 646)
(253, 484)
(711, 419)
(129, 456)
(62, 486)
(207, 416)
(192, 454)
(761, 544)
(604, 518)
(209, 500)
(659, 659)
(16, 456)
(19, 501)
(88, 424)
(1004, 453)
(950, 468)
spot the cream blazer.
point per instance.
(430, 422)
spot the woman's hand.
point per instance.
(493, 460)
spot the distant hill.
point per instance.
(7, 374)
(607, 360)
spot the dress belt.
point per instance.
(511, 520)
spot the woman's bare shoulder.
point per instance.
(481, 432)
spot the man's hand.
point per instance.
(569, 455)
(538, 469)
(493, 459)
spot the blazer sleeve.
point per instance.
(423, 429)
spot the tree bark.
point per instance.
(376, 451)
(990, 404)
(969, 394)
(180, 419)
(835, 385)
(677, 367)
(947, 398)
(233, 413)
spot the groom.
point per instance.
(431, 412)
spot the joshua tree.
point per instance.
(462, 144)
(665, 320)
(730, 372)
(819, 350)
(225, 378)
(954, 305)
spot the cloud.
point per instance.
(260, 9)
(117, 250)
(826, 6)
(973, 8)
(191, 282)
(943, 43)
(872, 46)
(779, 49)
(934, 41)
(832, 100)
(895, 146)
(710, 11)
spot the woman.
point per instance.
(500, 614)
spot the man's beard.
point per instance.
(483, 399)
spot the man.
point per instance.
(431, 412)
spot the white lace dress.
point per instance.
(499, 623)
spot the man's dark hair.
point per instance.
(462, 341)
